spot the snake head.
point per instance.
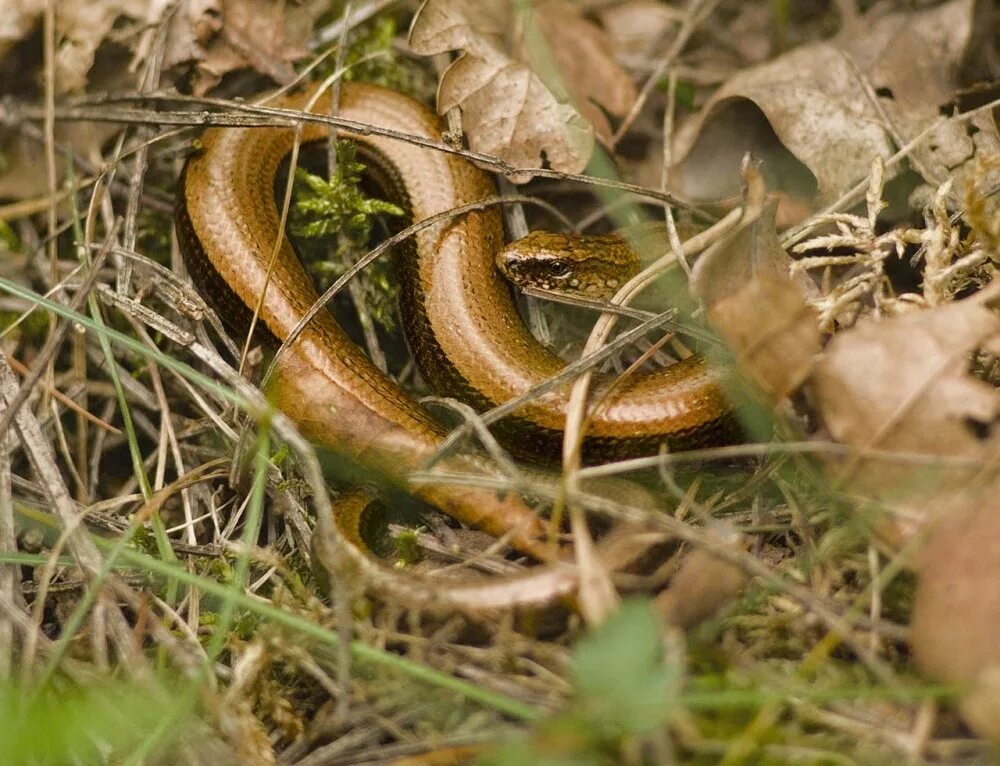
(588, 265)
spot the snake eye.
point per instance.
(558, 267)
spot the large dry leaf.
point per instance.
(23, 157)
(903, 385)
(17, 20)
(815, 101)
(80, 30)
(531, 85)
(192, 27)
(218, 35)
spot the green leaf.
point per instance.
(72, 724)
(624, 686)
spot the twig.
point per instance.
(349, 21)
(576, 408)
(54, 340)
(49, 118)
(150, 80)
(64, 400)
(602, 597)
(249, 115)
(9, 577)
(744, 451)
(696, 13)
(573, 370)
(668, 138)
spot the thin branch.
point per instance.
(249, 115)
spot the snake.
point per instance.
(460, 317)
(345, 554)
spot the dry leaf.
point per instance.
(79, 32)
(80, 29)
(634, 27)
(530, 85)
(757, 308)
(702, 586)
(751, 250)
(17, 20)
(219, 35)
(956, 609)
(21, 157)
(192, 27)
(903, 384)
(772, 333)
(814, 100)
(264, 35)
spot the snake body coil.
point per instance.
(463, 326)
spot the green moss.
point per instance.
(407, 548)
(8, 238)
(370, 57)
(335, 217)
(33, 328)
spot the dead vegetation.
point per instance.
(826, 174)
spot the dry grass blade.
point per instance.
(84, 551)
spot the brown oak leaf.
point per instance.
(531, 83)
(819, 113)
(903, 385)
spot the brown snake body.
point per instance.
(462, 323)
